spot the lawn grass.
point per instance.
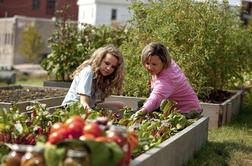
(31, 82)
(27, 80)
(230, 145)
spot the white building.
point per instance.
(11, 29)
(99, 12)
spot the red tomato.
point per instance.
(63, 132)
(57, 136)
(75, 119)
(57, 126)
(75, 126)
(94, 129)
(75, 129)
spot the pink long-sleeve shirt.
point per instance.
(172, 84)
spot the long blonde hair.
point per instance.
(109, 84)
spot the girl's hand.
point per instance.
(142, 112)
(87, 113)
(86, 107)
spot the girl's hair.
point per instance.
(109, 84)
(157, 49)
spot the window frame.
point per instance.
(35, 4)
(113, 14)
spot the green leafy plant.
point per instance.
(32, 43)
(64, 56)
(36, 123)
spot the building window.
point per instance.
(50, 7)
(113, 14)
(35, 4)
(50, 4)
(5, 38)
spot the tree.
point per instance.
(206, 40)
(32, 43)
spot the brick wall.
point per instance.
(10, 8)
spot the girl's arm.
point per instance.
(85, 101)
(161, 90)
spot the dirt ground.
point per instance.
(22, 93)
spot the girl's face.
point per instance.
(108, 65)
(153, 65)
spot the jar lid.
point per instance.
(76, 153)
(19, 147)
(35, 149)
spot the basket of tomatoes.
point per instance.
(104, 142)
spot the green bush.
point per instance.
(205, 39)
(32, 43)
(136, 79)
(71, 44)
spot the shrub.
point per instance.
(32, 43)
(71, 44)
(205, 39)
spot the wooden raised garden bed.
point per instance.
(178, 149)
(219, 114)
(24, 96)
(222, 113)
(173, 151)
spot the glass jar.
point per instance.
(77, 158)
(120, 135)
(15, 155)
(33, 156)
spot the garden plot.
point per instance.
(178, 149)
(219, 114)
(23, 96)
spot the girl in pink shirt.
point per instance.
(168, 81)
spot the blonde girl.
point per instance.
(97, 78)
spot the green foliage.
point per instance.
(136, 79)
(32, 43)
(64, 56)
(71, 44)
(205, 39)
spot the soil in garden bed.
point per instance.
(19, 93)
(217, 96)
